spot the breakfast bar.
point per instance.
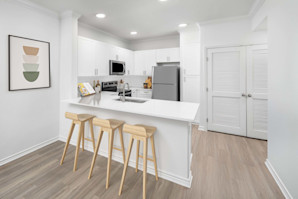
(171, 118)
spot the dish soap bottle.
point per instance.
(97, 87)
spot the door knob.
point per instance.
(249, 95)
(243, 95)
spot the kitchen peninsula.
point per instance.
(172, 140)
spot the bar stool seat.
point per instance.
(109, 126)
(85, 117)
(140, 132)
(79, 119)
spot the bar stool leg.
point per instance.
(154, 156)
(122, 143)
(126, 164)
(78, 147)
(137, 155)
(83, 136)
(145, 167)
(67, 142)
(92, 133)
(95, 153)
(111, 141)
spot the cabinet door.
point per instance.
(227, 89)
(190, 59)
(129, 62)
(167, 55)
(144, 61)
(86, 57)
(191, 89)
(257, 90)
(150, 61)
(101, 58)
(139, 62)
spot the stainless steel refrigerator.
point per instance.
(166, 83)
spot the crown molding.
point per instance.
(255, 7)
(33, 6)
(70, 13)
(103, 32)
(224, 20)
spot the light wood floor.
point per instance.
(224, 167)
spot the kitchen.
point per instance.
(148, 99)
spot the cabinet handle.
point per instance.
(243, 95)
(249, 95)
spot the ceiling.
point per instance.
(150, 18)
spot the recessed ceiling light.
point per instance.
(101, 15)
(163, 0)
(182, 25)
(133, 33)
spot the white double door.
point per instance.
(238, 90)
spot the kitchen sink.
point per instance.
(132, 100)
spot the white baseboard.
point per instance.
(27, 151)
(277, 179)
(202, 128)
(186, 182)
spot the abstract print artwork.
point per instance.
(29, 63)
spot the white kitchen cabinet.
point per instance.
(190, 59)
(144, 93)
(191, 89)
(167, 55)
(86, 57)
(129, 62)
(144, 61)
(101, 58)
(141, 93)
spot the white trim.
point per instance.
(186, 182)
(277, 179)
(27, 151)
(255, 7)
(222, 20)
(33, 6)
(202, 128)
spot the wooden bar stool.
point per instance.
(109, 126)
(140, 132)
(79, 119)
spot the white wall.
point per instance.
(224, 33)
(88, 31)
(27, 118)
(283, 91)
(171, 41)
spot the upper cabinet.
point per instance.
(94, 57)
(190, 59)
(86, 57)
(167, 55)
(144, 61)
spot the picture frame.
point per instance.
(28, 64)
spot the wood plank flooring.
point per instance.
(223, 167)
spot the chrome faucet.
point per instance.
(123, 91)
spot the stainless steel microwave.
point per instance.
(117, 67)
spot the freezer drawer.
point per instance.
(165, 92)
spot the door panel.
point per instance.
(226, 84)
(257, 88)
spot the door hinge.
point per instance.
(206, 119)
(207, 89)
(207, 59)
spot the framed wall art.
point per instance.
(29, 63)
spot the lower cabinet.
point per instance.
(141, 93)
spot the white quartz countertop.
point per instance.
(182, 111)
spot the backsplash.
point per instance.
(134, 81)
